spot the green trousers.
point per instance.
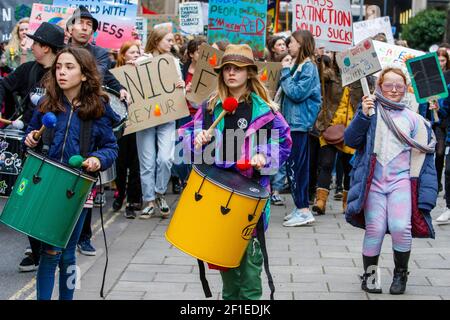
(244, 282)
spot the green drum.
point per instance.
(47, 200)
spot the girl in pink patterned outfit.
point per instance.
(392, 170)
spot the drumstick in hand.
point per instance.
(229, 105)
(77, 161)
(48, 121)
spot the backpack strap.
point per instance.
(85, 137)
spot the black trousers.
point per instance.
(86, 232)
(339, 170)
(127, 165)
(327, 157)
(441, 135)
(447, 180)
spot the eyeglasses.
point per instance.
(390, 86)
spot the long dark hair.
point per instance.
(271, 46)
(90, 101)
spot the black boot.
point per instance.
(176, 185)
(374, 286)
(401, 260)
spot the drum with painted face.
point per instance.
(11, 157)
(217, 215)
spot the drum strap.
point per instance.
(47, 138)
(204, 281)
(262, 241)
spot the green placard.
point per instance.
(427, 78)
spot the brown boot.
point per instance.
(321, 201)
(344, 200)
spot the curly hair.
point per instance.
(91, 98)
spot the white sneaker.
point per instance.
(444, 218)
(300, 218)
(289, 216)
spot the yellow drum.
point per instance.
(216, 215)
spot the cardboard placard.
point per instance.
(427, 78)
(239, 22)
(204, 80)
(369, 28)
(358, 62)
(156, 19)
(47, 13)
(155, 99)
(330, 22)
(116, 20)
(191, 18)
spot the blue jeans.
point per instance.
(298, 169)
(278, 179)
(66, 259)
(156, 148)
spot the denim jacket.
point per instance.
(301, 96)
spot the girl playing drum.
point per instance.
(74, 95)
(238, 78)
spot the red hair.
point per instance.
(123, 50)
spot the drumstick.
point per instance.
(76, 161)
(229, 105)
(48, 121)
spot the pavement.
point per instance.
(317, 262)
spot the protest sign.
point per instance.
(157, 19)
(141, 30)
(369, 28)
(330, 22)
(116, 19)
(394, 56)
(238, 22)
(47, 13)
(204, 80)
(155, 99)
(427, 78)
(11, 11)
(191, 18)
(358, 62)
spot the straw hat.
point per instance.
(240, 55)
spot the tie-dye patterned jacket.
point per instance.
(276, 148)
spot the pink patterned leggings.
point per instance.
(388, 207)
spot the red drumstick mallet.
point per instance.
(243, 164)
(229, 105)
(48, 121)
